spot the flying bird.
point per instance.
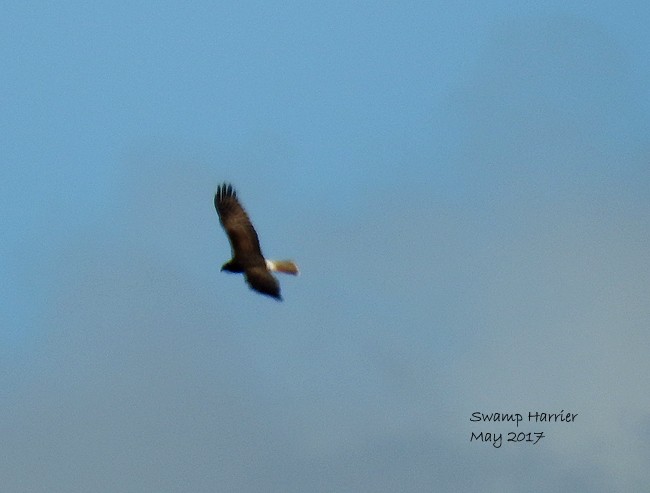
(247, 255)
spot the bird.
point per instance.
(247, 255)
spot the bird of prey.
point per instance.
(247, 255)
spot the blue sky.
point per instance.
(465, 187)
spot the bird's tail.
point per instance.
(286, 266)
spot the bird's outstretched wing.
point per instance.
(260, 279)
(241, 233)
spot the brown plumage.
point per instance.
(247, 255)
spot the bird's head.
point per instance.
(231, 267)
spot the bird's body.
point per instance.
(247, 255)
